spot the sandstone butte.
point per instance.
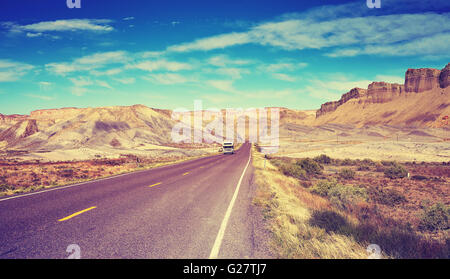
(423, 100)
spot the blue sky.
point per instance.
(166, 54)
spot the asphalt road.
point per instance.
(196, 209)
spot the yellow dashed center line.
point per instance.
(186, 173)
(76, 213)
(155, 184)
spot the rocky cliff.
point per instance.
(416, 81)
(444, 77)
(420, 80)
(355, 93)
(424, 100)
(382, 92)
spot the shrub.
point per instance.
(329, 220)
(347, 174)
(363, 168)
(323, 187)
(293, 170)
(389, 197)
(323, 159)
(435, 217)
(310, 166)
(379, 167)
(388, 163)
(344, 195)
(395, 171)
(368, 162)
(5, 187)
(419, 177)
(66, 173)
(347, 162)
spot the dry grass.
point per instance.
(288, 208)
(359, 209)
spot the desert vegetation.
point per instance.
(335, 208)
(24, 176)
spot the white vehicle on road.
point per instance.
(228, 148)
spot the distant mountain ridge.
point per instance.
(422, 101)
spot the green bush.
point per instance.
(293, 170)
(366, 165)
(323, 159)
(310, 166)
(323, 187)
(389, 197)
(435, 217)
(344, 195)
(395, 171)
(347, 174)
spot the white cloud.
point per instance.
(81, 81)
(44, 85)
(90, 62)
(98, 25)
(386, 34)
(284, 77)
(168, 78)
(234, 73)
(162, 64)
(110, 72)
(291, 66)
(224, 60)
(128, 18)
(223, 85)
(103, 58)
(130, 80)
(78, 91)
(13, 71)
(33, 35)
(103, 84)
(215, 42)
(41, 97)
(152, 54)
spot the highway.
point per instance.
(196, 209)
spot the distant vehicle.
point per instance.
(228, 148)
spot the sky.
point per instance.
(228, 54)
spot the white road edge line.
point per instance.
(67, 186)
(218, 242)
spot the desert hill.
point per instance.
(383, 111)
(86, 132)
